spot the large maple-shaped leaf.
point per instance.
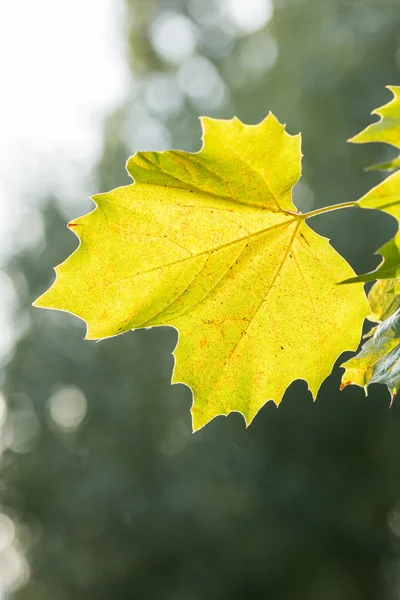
(211, 244)
(386, 130)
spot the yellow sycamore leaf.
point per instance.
(212, 244)
(386, 130)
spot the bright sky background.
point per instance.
(62, 70)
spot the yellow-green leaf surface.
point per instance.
(212, 244)
(384, 299)
(386, 130)
(385, 197)
(378, 360)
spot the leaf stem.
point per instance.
(325, 209)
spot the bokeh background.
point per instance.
(104, 491)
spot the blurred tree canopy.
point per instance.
(111, 494)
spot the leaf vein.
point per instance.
(204, 252)
(314, 310)
(245, 331)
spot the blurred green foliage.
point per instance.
(128, 503)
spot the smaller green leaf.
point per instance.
(385, 197)
(387, 129)
(378, 360)
(383, 299)
(386, 166)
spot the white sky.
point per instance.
(61, 70)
